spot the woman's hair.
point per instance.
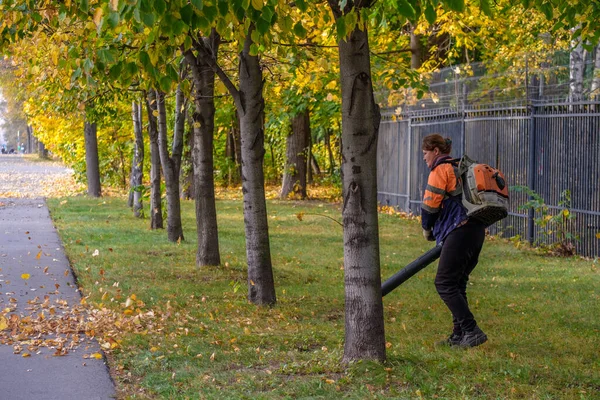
(430, 142)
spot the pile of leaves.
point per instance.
(63, 328)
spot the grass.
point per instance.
(541, 313)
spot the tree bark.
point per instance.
(207, 253)
(329, 151)
(41, 149)
(156, 218)
(137, 173)
(416, 50)
(364, 326)
(576, 72)
(233, 150)
(186, 175)
(294, 175)
(595, 89)
(171, 163)
(261, 287)
(92, 166)
(249, 102)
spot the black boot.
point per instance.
(452, 340)
(472, 338)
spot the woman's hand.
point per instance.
(428, 235)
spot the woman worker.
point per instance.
(444, 219)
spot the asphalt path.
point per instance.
(35, 277)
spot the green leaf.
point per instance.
(178, 27)
(203, 24)
(131, 68)
(187, 43)
(262, 26)
(145, 59)
(223, 8)
(160, 6)
(172, 73)
(301, 4)
(84, 5)
(267, 13)
(113, 19)
(286, 24)
(115, 71)
(340, 26)
(187, 13)
(485, 7)
(198, 4)
(165, 84)
(406, 9)
(210, 13)
(455, 5)
(147, 19)
(240, 14)
(299, 30)
(430, 14)
(253, 49)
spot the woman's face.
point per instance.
(430, 155)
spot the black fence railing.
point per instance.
(550, 146)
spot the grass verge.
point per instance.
(540, 313)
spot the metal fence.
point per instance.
(547, 145)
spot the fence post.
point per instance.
(531, 174)
(463, 139)
(409, 164)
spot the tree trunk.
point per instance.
(364, 327)
(314, 164)
(294, 175)
(41, 149)
(329, 151)
(171, 163)
(595, 89)
(233, 150)
(249, 102)
(576, 72)
(416, 50)
(156, 218)
(261, 287)
(186, 175)
(207, 253)
(137, 173)
(92, 166)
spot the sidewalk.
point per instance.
(35, 278)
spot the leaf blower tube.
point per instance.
(411, 269)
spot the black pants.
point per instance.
(460, 253)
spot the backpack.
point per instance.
(485, 192)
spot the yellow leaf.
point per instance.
(128, 312)
(25, 276)
(300, 216)
(38, 255)
(155, 113)
(98, 16)
(257, 4)
(114, 5)
(97, 356)
(196, 125)
(566, 213)
(3, 323)
(26, 355)
(598, 235)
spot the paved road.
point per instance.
(20, 177)
(35, 279)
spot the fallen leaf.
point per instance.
(25, 276)
(38, 255)
(97, 356)
(3, 323)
